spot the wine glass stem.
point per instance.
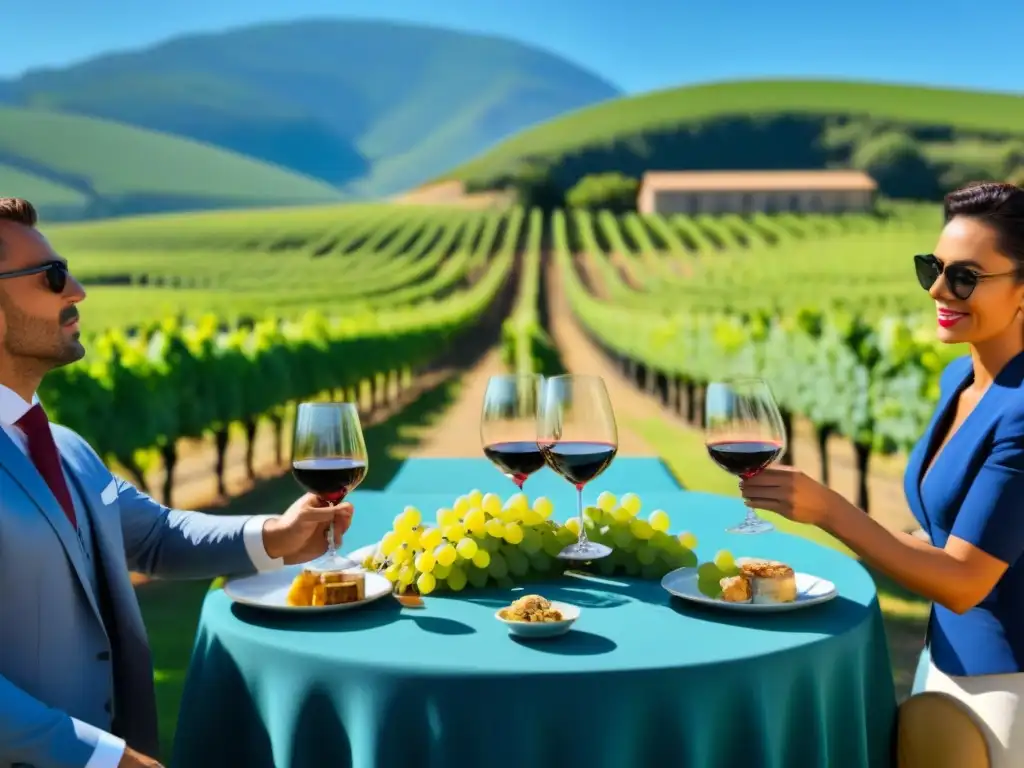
(751, 516)
(582, 541)
(332, 550)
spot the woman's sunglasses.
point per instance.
(962, 280)
(56, 274)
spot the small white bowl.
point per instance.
(539, 629)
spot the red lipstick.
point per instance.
(948, 318)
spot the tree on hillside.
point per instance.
(611, 191)
(962, 173)
(899, 166)
(531, 181)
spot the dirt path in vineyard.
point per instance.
(580, 355)
(457, 433)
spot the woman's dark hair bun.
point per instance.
(998, 204)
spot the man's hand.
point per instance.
(133, 759)
(300, 534)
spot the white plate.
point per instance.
(538, 629)
(810, 590)
(360, 554)
(269, 591)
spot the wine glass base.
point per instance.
(752, 526)
(590, 550)
(331, 563)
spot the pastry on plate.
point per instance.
(770, 581)
(735, 589)
(313, 588)
(300, 594)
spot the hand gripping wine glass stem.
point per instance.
(331, 555)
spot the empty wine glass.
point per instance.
(577, 435)
(744, 433)
(329, 460)
(508, 425)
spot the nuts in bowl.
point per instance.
(535, 616)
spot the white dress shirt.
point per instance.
(110, 748)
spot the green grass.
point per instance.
(125, 167)
(606, 122)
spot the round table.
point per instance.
(643, 679)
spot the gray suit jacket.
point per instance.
(67, 650)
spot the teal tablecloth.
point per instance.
(642, 680)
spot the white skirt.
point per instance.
(997, 702)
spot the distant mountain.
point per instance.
(370, 107)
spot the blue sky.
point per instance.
(638, 44)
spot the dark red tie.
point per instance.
(43, 452)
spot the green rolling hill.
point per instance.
(371, 108)
(77, 167)
(917, 141)
(54, 200)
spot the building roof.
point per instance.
(755, 181)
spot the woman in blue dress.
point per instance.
(965, 478)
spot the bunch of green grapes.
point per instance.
(475, 541)
(640, 547)
(479, 541)
(711, 573)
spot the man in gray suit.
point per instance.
(76, 677)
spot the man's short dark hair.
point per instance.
(19, 211)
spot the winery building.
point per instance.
(745, 192)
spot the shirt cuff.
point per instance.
(108, 753)
(252, 535)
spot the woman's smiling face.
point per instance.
(979, 294)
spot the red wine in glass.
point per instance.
(508, 425)
(578, 437)
(744, 434)
(329, 460)
(517, 460)
(579, 463)
(744, 458)
(330, 478)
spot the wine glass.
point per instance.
(744, 433)
(577, 435)
(329, 460)
(508, 425)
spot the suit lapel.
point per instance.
(25, 474)
(923, 452)
(110, 564)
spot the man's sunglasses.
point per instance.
(56, 274)
(962, 280)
